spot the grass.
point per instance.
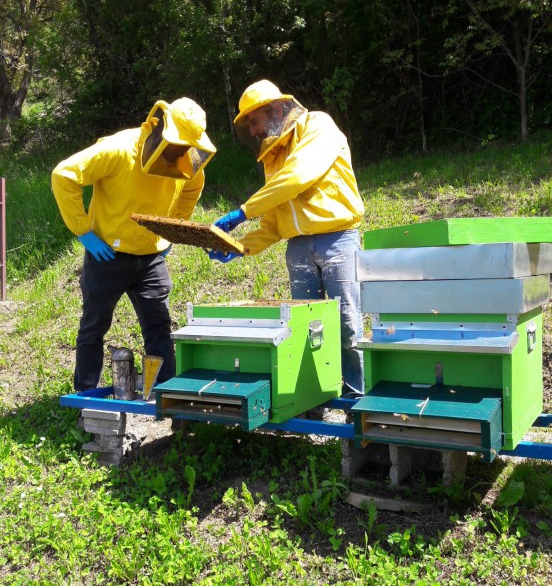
(218, 505)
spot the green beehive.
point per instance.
(461, 359)
(293, 345)
(456, 315)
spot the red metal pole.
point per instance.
(2, 239)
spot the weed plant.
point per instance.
(219, 505)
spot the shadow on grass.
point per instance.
(271, 463)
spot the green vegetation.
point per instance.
(397, 76)
(219, 506)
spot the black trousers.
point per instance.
(146, 281)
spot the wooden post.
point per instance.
(2, 239)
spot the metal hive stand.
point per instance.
(98, 399)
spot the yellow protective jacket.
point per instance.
(120, 187)
(310, 186)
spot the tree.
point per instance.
(405, 52)
(513, 30)
(339, 67)
(21, 22)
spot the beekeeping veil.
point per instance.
(181, 123)
(281, 110)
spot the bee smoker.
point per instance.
(123, 373)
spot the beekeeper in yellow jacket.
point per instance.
(310, 198)
(156, 169)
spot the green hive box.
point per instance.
(207, 395)
(491, 345)
(516, 376)
(294, 344)
(461, 231)
(435, 417)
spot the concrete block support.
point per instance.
(353, 459)
(405, 459)
(454, 466)
(402, 461)
(116, 434)
(105, 426)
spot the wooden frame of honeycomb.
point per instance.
(206, 236)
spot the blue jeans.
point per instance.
(146, 281)
(324, 265)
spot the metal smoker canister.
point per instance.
(124, 374)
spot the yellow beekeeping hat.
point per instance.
(184, 123)
(257, 95)
(181, 123)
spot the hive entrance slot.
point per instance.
(436, 423)
(422, 436)
(195, 398)
(204, 408)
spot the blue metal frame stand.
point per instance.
(96, 399)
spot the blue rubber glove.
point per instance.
(223, 256)
(231, 220)
(96, 246)
(164, 253)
